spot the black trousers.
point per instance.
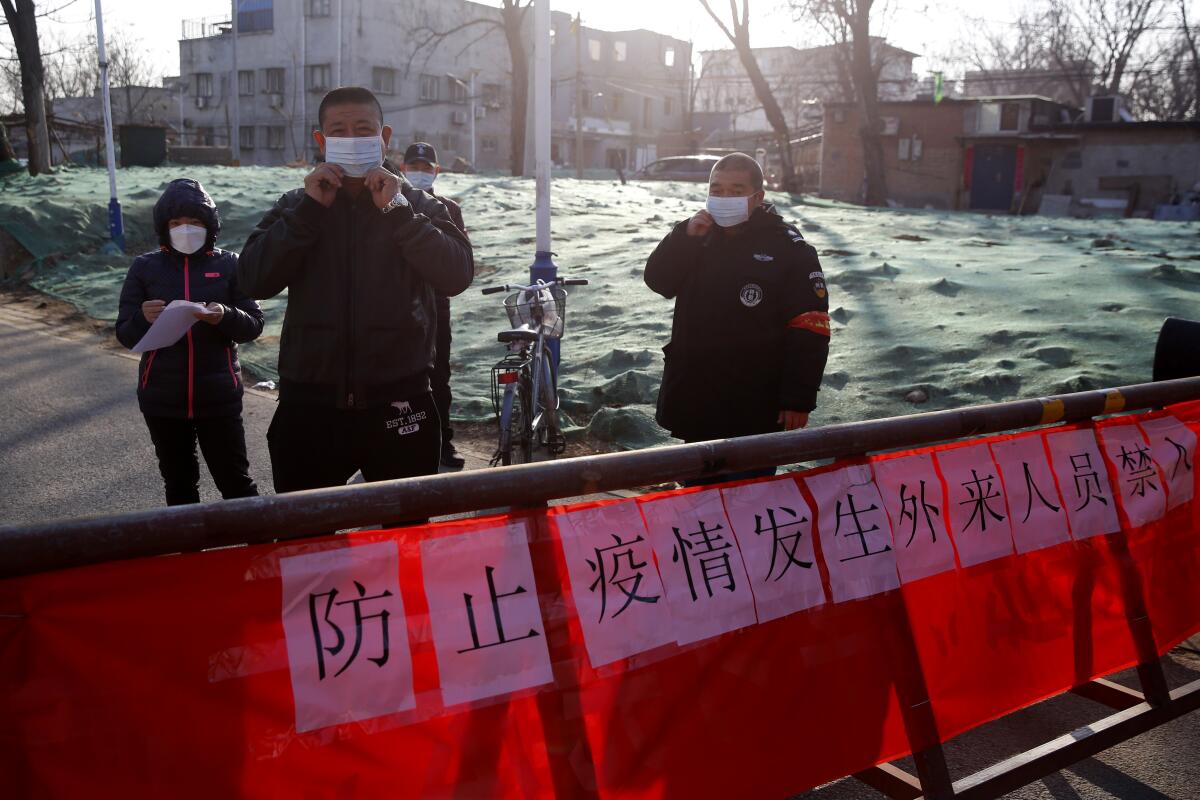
(223, 444)
(439, 378)
(315, 446)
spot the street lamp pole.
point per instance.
(116, 227)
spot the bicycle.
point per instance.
(527, 407)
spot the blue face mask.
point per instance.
(729, 211)
(420, 180)
(357, 155)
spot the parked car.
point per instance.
(678, 168)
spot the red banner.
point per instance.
(754, 639)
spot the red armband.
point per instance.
(815, 321)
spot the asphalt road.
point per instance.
(72, 443)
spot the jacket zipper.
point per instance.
(187, 295)
(229, 358)
(149, 364)
(350, 310)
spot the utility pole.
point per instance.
(579, 96)
(116, 227)
(471, 91)
(235, 138)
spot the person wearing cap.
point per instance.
(421, 168)
(362, 254)
(192, 390)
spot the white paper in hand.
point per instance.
(171, 325)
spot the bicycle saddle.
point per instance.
(517, 335)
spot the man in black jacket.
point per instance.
(421, 169)
(362, 254)
(750, 333)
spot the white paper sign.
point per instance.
(978, 512)
(1083, 481)
(912, 495)
(170, 326)
(483, 607)
(1139, 484)
(1038, 517)
(1174, 447)
(774, 528)
(856, 536)
(347, 637)
(618, 595)
(701, 566)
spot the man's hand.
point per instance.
(793, 420)
(382, 185)
(700, 224)
(322, 183)
(152, 308)
(212, 314)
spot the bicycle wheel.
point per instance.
(525, 419)
(508, 411)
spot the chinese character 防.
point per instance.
(1086, 479)
(324, 620)
(706, 546)
(1181, 457)
(852, 513)
(785, 544)
(909, 507)
(608, 568)
(496, 597)
(1031, 489)
(981, 491)
(1139, 468)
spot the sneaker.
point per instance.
(450, 456)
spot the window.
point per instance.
(275, 137)
(383, 80)
(618, 100)
(318, 8)
(319, 77)
(204, 84)
(619, 51)
(669, 57)
(203, 137)
(245, 82)
(429, 87)
(246, 137)
(274, 80)
(450, 141)
(594, 49)
(491, 95)
(458, 90)
(255, 15)
(666, 106)
(1010, 116)
(489, 144)
(647, 110)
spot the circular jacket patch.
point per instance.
(751, 295)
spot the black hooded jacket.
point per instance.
(360, 328)
(750, 333)
(199, 376)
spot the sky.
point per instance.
(926, 27)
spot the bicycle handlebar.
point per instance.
(516, 287)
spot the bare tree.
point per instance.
(847, 23)
(22, 23)
(738, 33)
(511, 23)
(1167, 88)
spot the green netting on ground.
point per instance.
(966, 307)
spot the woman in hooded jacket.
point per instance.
(192, 390)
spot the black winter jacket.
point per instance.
(198, 376)
(750, 334)
(359, 331)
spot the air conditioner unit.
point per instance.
(480, 112)
(201, 102)
(458, 117)
(275, 100)
(1104, 109)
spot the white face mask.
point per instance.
(358, 155)
(420, 180)
(729, 211)
(187, 239)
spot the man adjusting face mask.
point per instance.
(728, 211)
(357, 155)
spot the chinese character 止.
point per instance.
(1181, 457)
(1031, 489)
(981, 491)
(858, 531)
(613, 576)
(496, 597)
(909, 507)
(1082, 464)
(331, 602)
(782, 544)
(1140, 469)
(706, 546)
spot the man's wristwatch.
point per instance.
(399, 201)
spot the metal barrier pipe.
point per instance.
(77, 542)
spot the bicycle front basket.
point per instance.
(550, 303)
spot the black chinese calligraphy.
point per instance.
(782, 543)
(1032, 490)
(617, 566)
(495, 598)
(324, 621)
(1087, 481)
(1138, 467)
(914, 508)
(853, 513)
(710, 552)
(980, 494)
(1181, 457)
